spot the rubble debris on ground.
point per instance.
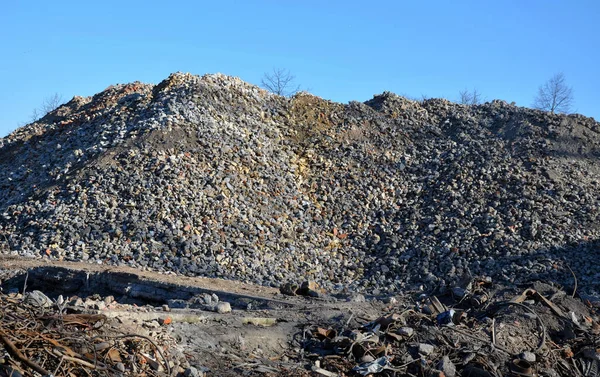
(40, 336)
(479, 330)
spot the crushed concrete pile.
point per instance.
(212, 176)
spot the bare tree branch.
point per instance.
(35, 115)
(465, 97)
(50, 103)
(469, 98)
(554, 95)
(280, 82)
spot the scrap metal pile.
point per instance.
(482, 331)
(39, 336)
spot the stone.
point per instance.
(426, 349)
(192, 372)
(459, 292)
(405, 331)
(528, 356)
(223, 307)
(208, 300)
(447, 366)
(39, 299)
(357, 298)
(289, 289)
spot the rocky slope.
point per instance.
(212, 176)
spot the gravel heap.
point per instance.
(216, 177)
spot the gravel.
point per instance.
(215, 177)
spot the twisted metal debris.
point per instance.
(528, 334)
(41, 338)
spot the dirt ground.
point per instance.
(221, 344)
(478, 330)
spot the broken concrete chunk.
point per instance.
(405, 331)
(192, 372)
(357, 298)
(426, 349)
(39, 299)
(447, 366)
(309, 286)
(528, 356)
(223, 307)
(208, 299)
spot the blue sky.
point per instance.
(341, 50)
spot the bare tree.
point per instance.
(469, 98)
(280, 81)
(50, 103)
(555, 95)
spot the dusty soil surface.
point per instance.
(254, 338)
(16, 264)
(481, 329)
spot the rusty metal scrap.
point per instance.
(42, 340)
(451, 336)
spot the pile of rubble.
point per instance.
(211, 176)
(480, 331)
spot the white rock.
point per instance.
(223, 307)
